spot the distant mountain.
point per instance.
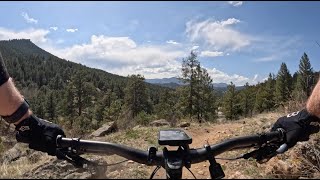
(173, 81)
(220, 85)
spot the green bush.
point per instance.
(143, 118)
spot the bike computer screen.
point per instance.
(174, 137)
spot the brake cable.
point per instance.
(191, 173)
(155, 171)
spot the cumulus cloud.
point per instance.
(219, 76)
(28, 19)
(37, 36)
(121, 55)
(211, 53)
(54, 28)
(72, 30)
(235, 3)
(219, 35)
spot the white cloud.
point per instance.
(211, 53)
(218, 35)
(268, 58)
(172, 42)
(219, 76)
(72, 30)
(121, 55)
(28, 19)
(235, 3)
(194, 47)
(255, 77)
(54, 28)
(37, 36)
(275, 48)
(229, 21)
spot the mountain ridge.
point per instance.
(177, 82)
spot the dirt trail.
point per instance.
(208, 134)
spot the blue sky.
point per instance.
(236, 41)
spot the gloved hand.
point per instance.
(298, 126)
(39, 134)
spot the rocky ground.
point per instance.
(302, 161)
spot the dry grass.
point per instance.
(17, 168)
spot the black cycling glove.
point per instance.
(298, 126)
(39, 134)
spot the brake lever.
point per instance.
(72, 157)
(263, 154)
(266, 151)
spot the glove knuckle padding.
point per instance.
(40, 134)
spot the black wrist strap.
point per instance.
(4, 75)
(20, 112)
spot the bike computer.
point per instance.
(174, 137)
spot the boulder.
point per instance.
(61, 169)
(160, 122)
(105, 130)
(14, 153)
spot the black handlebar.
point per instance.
(195, 155)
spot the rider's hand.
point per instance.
(39, 134)
(298, 126)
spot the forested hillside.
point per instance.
(59, 89)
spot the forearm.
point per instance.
(10, 98)
(313, 103)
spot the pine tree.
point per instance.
(136, 97)
(200, 98)
(206, 100)
(261, 99)
(247, 100)
(283, 85)
(68, 104)
(305, 79)
(231, 104)
(189, 76)
(83, 91)
(269, 95)
(166, 108)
